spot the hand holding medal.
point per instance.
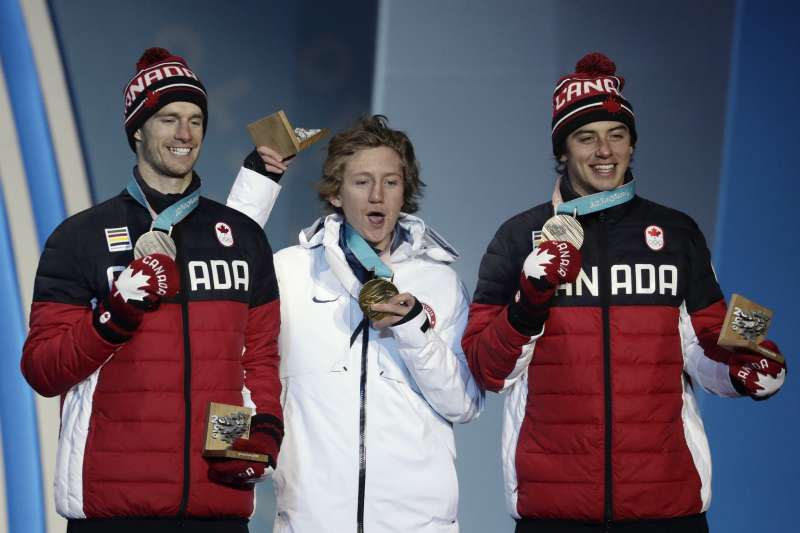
(564, 228)
(392, 310)
(376, 291)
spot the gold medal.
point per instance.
(155, 242)
(563, 228)
(375, 291)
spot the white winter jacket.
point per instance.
(406, 386)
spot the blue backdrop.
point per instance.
(756, 466)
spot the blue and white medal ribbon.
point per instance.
(377, 289)
(158, 239)
(564, 225)
(365, 253)
(592, 203)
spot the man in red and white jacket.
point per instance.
(138, 347)
(599, 349)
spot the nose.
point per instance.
(183, 132)
(376, 192)
(603, 149)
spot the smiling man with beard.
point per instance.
(370, 399)
(598, 315)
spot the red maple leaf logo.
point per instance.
(612, 105)
(151, 100)
(222, 229)
(654, 232)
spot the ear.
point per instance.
(137, 135)
(563, 158)
(335, 201)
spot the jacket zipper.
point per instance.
(187, 393)
(362, 422)
(605, 279)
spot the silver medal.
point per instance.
(563, 228)
(155, 242)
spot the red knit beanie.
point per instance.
(161, 78)
(591, 94)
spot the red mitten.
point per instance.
(138, 288)
(755, 375)
(266, 433)
(546, 267)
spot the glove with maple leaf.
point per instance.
(138, 288)
(755, 375)
(546, 267)
(266, 433)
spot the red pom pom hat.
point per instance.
(593, 93)
(161, 78)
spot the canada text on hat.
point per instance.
(570, 89)
(161, 78)
(593, 93)
(145, 78)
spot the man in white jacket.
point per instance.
(368, 404)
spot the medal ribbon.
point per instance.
(595, 202)
(171, 215)
(365, 253)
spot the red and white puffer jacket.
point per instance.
(601, 422)
(133, 414)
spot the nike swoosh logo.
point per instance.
(317, 300)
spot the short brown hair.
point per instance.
(370, 132)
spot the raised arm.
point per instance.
(256, 187)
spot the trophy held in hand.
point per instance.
(276, 132)
(224, 424)
(745, 326)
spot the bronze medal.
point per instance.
(563, 228)
(375, 291)
(155, 242)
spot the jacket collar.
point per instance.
(159, 200)
(613, 214)
(422, 241)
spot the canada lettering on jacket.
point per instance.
(218, 274)
(626, 279)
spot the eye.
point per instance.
(197, 122)
(393, 182)
(585, 139)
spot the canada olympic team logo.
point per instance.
(224, 234)
(654, 238)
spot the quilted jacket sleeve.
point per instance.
(63, 348)
(261, 360)
(702, 315)
(498, 354)
(436, 361)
